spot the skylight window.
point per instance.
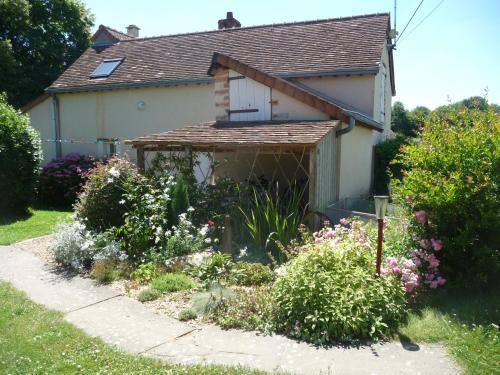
(107, 67)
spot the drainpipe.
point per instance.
(57, 125)
(338, 134)
(352, 122)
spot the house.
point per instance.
(305, 99)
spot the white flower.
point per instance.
(110, 180)
(243, 252)
(204, 230)
(114, 172)
(122, 201)
(190, 209)
(208, 240)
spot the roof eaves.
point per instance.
(127, 85)
(329, 73)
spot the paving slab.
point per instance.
(131, 326)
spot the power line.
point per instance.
(427, 16)
(413, 15)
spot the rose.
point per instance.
(436, 244)
(421, 216)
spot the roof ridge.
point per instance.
(282, 24)
(116, 31)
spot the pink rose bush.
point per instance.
(417, 267)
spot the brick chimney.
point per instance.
(133, 31)
(229, 22)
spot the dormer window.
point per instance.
(107, 67)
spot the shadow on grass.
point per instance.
(11, 217)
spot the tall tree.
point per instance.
(39, 39)
(401, 120)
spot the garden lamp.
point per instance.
(380, 211)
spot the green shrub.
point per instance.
(250, 274)
(102, 204)
(331, 294)
(148, 294)
(179, 202)
(146, 272)
(247, 309)
(105, 271)
(20, 157)
(62, 179)
(273, 218)
(217, 269)
(187, 314)
(452, 176)
(172, 282)
(210, 301)
(384, 167)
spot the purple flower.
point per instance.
(421, 216)
(436, 244)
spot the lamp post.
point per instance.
(380, 211)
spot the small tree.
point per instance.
(453, 175)
(20, 157)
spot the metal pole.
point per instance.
(379, 244)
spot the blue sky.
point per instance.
(453, 54)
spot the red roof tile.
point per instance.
(224, 135)
(311, 47)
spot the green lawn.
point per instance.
(467, 324)
(37, 222)
(34, 340)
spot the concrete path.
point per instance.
(130, 326)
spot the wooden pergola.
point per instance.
(276, 138)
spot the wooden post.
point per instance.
(379, 244)
(141, 164)
(227, 236)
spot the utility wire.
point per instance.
(413, 15)
(427, 16)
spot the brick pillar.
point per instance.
(221, 94)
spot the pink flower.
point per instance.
(344, 221)
(396, 270)
(433, 261)
(440, 280)
(425, 244)
(391, 262)
(410, 287)
(429, 277)
(421, 216)
(433, 284)
(436, 244)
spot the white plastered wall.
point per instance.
(87, 116)
(356, 151)
(41, 119)
(388, 98)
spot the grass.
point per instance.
(35, 223)
(172, 282)
(34, 340)
(467, 324)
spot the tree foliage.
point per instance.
(453, 173)
(20, 156)
(39, 39)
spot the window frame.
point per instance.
(117, 60)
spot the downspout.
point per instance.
(338, 134)
(56, 125)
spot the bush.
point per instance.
(217, 269)
(105, 271)
(62, 179)
(452, 175)
(20, 157)
(210, 301)
(187, 314)
(247, 309)
(384, 168)
(146, 272)
(101, 204)
(250, 274)
(148, 295)
(76, 248)
(172, 282)
(331, 294)
(73, 246)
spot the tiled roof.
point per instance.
(311, 47)
(224, 135)
(115, 34)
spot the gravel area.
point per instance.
(38, 246)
